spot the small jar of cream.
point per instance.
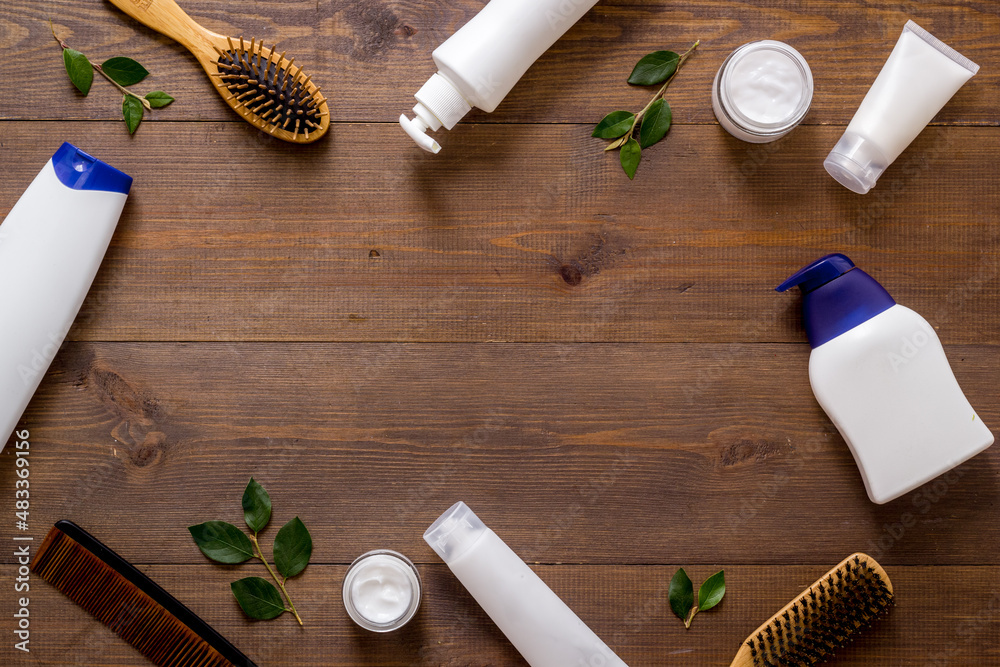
(762, 91)
(382, 590)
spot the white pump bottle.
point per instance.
(51, 245)
(880, 373)
(481, 62)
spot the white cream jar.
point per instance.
(762, 91)
(382, 590)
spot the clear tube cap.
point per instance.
(454, 532)
(856, 163)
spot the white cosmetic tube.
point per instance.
(540, 626)
(51, 245)
(920, 76)
(481, 62)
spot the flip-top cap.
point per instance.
(454, 532)
(80, 171)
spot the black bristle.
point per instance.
(825, 617)
(269, 85)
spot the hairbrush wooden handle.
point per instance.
(266, 89)
(167, 18)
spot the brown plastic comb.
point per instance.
(269, 91)
(823, 618)
(130, 603)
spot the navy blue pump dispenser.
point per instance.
(836, 297)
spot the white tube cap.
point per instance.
(454, 532)
(438, 103)
(856, 163)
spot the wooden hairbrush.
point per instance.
(130, 603)
(822, 618)
(269, 91)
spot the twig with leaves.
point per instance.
(121, 72)
(654, 120)
(225, 543)
(681, 594)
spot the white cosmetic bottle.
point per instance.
(51, 245)
(481, 62)
(881, 375)
(540, 626)
(920, 76)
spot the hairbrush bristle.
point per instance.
(271, 89)
(823, 618)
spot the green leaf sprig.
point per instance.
(225, 543)
(653, 122)
(681, 594)
(121, 72)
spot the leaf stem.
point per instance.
(64, 45)
(281, 582)
(687, 621)
(122, 88)
(663, 89)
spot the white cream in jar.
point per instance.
(382, 590)
(762, 91)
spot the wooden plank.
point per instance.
(372, 57)
(942, 616)
(574, 453)
(541, 238)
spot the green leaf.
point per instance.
(79, 69)
(681, 594)
(655, 123)
(132, 112)
(711, 592)
(630, 155)
(614, 125)
(654, 68)
(124, 71)
(617, 143)
(222, 542)
(158, 99)
(256, 506)
(258, 598)
(292, 548)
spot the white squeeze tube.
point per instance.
(540, 626)
(920, 76)
(51, 245)
(481, 62)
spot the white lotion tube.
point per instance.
(481, 62)
(540, 626)
(51, 245)
(920, 76)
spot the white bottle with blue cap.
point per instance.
(881, 374)
(51, 245)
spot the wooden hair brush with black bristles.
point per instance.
(821, 618)
(269, 91)
(130, 603)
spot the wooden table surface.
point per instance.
(600, 368)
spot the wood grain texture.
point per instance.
(626, 605)
(612, 452)
(372, 56)
(599, 367)
(324, 244)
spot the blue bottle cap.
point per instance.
(77, 170)
(836, 297)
